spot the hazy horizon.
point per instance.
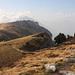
(55, 15)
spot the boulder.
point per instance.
(67, 72)
(50, 66)
(69, 60)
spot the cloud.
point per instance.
(12, 16)
(58, 22)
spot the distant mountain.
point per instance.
(19, 29)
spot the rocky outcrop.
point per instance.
(34, 26)
(69, 60)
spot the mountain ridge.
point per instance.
(17, 29)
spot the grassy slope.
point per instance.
(35, 42)
(28, 64)
(9, 54)
(9, 31)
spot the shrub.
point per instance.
(38, 40)
(4, 44)
(60, 38)
(68, 36)
(9, 44)
(52, 55)
(27, 44)
(42, 35)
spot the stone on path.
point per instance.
(50, 66)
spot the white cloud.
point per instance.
(12, 16)
(58, 22)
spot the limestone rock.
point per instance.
(67, 72)
(50, 66)
(69, 60)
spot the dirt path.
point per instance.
(23, 52)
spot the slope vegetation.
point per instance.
(33, 64)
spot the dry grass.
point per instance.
(34, 42)
(33, 64)
(52, 55)
(73, 68)
(8, 55)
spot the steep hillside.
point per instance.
(36, 42)
(21, 46)
(19, 29)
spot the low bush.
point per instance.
(27, 44)
(52, 55)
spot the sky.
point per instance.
(55, 15)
